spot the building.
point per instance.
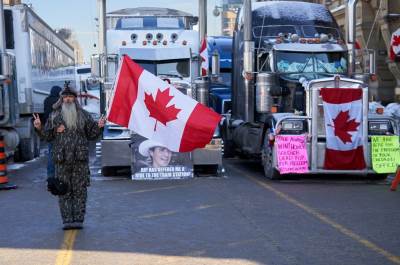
(229, 11)
(377, 20)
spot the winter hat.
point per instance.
(68, 90)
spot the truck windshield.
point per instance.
(173, 68)
(324, 62)
(130, 23)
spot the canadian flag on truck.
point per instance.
(395, 45)
(343, 123)
(158, 111)
(204, 57)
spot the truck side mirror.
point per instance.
(6, 65)
(372, 61)
(215, 64)
(95, 65)
(112, 64)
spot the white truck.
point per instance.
(33, 59)
(88, 90)
(162, 41)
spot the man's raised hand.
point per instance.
(36, 121)
(102, 121)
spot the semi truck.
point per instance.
(88, 90)
(284, 53)
(162, 41)
(33, 59)
(220, 69)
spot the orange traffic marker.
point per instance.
(396, 180)
(4, 185)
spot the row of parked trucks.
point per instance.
(267, 77)
(283, 53)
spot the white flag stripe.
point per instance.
(330, 113)
(140, 113)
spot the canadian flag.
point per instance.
(343, 119)
(395, 45)
(204, 57)
(158, 111)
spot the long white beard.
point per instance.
(69, 114)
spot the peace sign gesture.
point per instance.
(36, 122)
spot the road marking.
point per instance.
(393, 258)
(155, 189)
(65, 254)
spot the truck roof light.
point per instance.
(159, 36)
(379, 110)
(165, 42)
(274, 109)
(294, 37)
(323, 38)
(309, 41)
(174, 37)
(149, 36)
(155, 42)
(134, 37)
(123, 43)
(302, 40)
(184, 42)
(144, 43)
(317, 40)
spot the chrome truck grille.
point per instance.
(314, 109)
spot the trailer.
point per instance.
(34, 58)
(284, 54)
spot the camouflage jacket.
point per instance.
(70, 146)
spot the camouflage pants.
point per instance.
(73, 204)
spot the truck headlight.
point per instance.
(380, 127)
(293, 127)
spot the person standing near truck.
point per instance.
(69, 128)
(49, 101)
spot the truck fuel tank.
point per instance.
(265, 83)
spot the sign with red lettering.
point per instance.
(292, 153)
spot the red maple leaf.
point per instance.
(343, 126)
(396, 40)
(158, 108)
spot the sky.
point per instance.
(79, 15)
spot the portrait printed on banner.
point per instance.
(152, 160)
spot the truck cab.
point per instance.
(285, 53)
(163, 42)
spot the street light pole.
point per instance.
(102, 52)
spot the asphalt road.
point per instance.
(240, 218)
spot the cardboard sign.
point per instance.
(385, 152)
(152, 161)
(292, 153)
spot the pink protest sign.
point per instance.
(292, 153)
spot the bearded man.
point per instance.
(69, 128)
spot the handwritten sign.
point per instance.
(292, 154)
(385, 153)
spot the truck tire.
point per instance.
(37, 145)
(229, 146)
(26, 150)
(108, 171)
(267, 161)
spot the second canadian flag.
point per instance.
(343, 119)
(156, 110)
